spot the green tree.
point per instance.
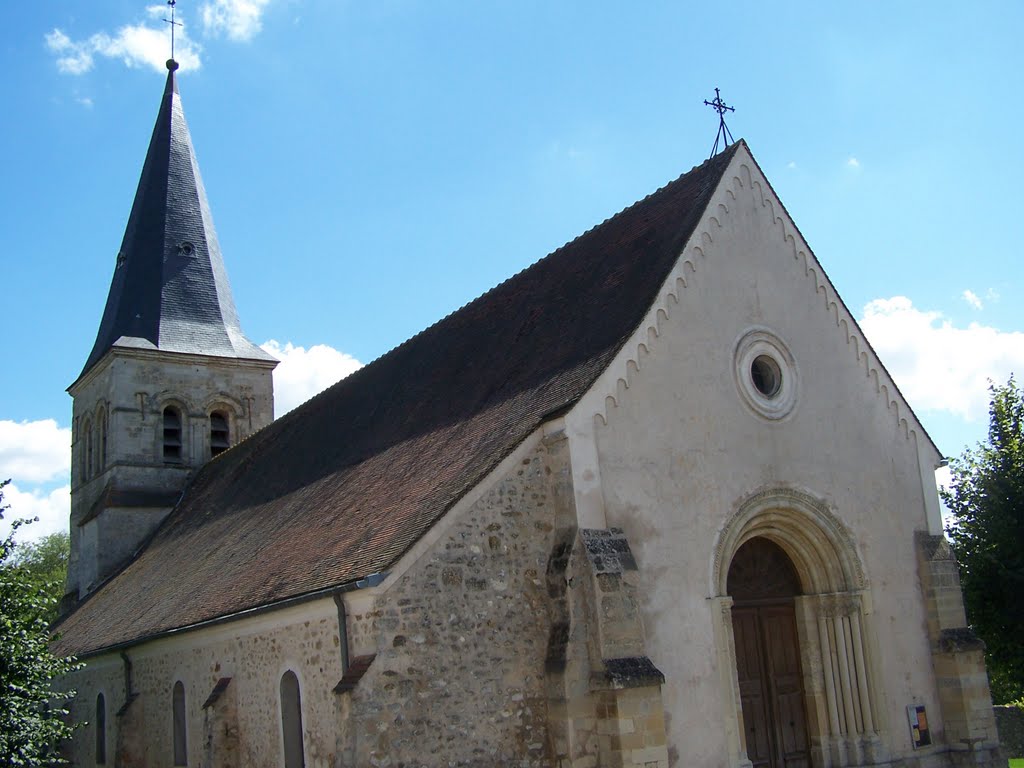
(987, 499)
(45, 563)
(32, 713)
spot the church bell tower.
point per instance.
(172, 380)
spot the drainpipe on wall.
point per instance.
(342, 630)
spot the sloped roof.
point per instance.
(341, 487)
(170, 289)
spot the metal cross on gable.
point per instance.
(724, 134)
(173, 24)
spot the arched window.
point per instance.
(220, 437)
(172, 434)
(87, 436)
(180, 735)
(102, 424)
(101, 730)
(291, 721)
(79, 450)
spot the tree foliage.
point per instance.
(45, 563)
(32, 713)
(987, 499)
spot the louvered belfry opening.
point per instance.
(172, 434)
(220, 437)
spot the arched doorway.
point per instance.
(791, 568)
(763, 584)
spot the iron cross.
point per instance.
(724, 134)
(174, 24)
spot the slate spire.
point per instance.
(170, 289)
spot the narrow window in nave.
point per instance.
(180, 735)
(291, 721)
(101, 730)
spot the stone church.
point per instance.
(653, 501)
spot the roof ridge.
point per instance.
(364, 370)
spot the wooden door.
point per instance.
(771, 685)
(762, 583)
(753, 686)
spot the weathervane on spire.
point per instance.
(171, 63)
(723, 130)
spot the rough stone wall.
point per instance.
(624, 684)
(461, 639)
(1010, 722)
(245, 721)
(605, 706)
(104, 675)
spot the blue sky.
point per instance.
(374, 166)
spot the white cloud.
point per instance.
(34, 451)
(943, 479)
(972, 299)
(303, 372)
(32, 455)
(148, 44)
(853, 162)
(239, 20)
(134, 44)
(53, 509)
(936, 364)
(72, 58)
(791, 164)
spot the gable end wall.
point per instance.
(678, 452)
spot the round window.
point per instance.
(766, 374)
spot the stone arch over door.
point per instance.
(833, 617)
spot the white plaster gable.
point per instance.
(678, 450)
(743, 178)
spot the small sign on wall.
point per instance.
(919, 733)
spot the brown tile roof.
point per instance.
(340, 488)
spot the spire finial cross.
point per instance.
(173, 24)
(724, 134)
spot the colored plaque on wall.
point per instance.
(919, 733)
